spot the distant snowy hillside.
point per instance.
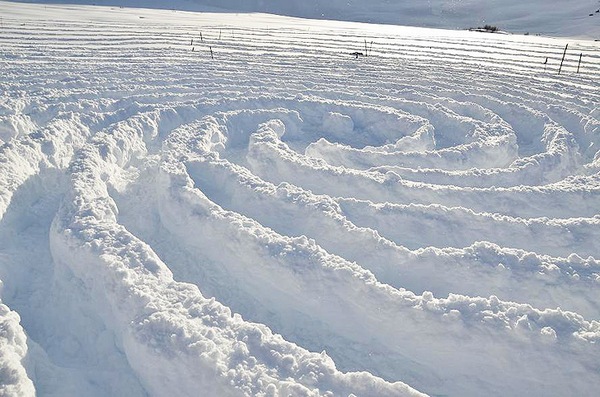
(551, 18)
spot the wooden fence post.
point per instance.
(563, 59)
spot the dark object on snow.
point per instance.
(357, 54)
(563, 58)
(486, 28)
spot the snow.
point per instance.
(285, 218)
(561, 18)
(13, 350)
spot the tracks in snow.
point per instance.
(420, 214)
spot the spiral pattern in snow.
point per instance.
(426, 215)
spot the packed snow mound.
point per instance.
(560, 18)
(195, 204)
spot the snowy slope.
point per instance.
(234, 205)
(555, 18)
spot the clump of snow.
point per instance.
(13, 350)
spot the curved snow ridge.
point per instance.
(492, 162)
(352, 229)
(263, 256)
(13, 353)
(492, 153)
(526, 112)
(176, 340)
(303, 273)
(273, 160)
(537, 170)
(311, 118)
(441, 226)
(315, 285)
(49, 147)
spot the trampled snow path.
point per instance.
(171, 224)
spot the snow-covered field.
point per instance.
(285, 218)
(565, 18)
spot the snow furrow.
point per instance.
(176, 340)
(250, 269)
(13, 350)
(242, 275)
(274, 161)
(458, 227)
(302, 213)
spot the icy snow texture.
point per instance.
(286, 219)
(13, 349)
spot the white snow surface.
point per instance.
(220, 204)
(556, 18)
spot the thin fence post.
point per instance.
(563, 59)
(211, 52)
(579, 63)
